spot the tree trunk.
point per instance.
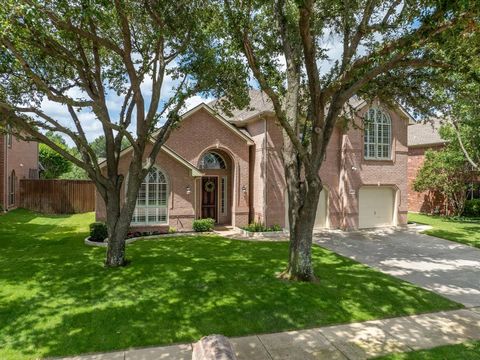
(304, 197)
(300, 266)
(117, 234)
(119, 217)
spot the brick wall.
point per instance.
(20, 157)
(343, 173)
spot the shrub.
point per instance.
(275, 227)
(98, 231)
(255, 227)
(201, 225)
(259, 227)
(472, 208)
(172, 230)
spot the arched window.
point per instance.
(12, 181)
(211, 160)
(378, 135)
(152, 200)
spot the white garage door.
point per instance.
(376, 207)
(322, 211)
(321, 218)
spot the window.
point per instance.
(12, 180)
(223, 201)
(212, 160)
(152, 200)
(378, 135)
(9, 136)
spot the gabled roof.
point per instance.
(357, 104)
(220, 117)
(425, 133)
(194, 170)
(260, 104)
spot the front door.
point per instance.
(209, 197)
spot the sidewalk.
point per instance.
(343, 342)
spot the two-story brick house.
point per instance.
(229, 168)
(18, 160)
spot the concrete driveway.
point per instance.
(445, 267)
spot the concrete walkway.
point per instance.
(343, 342)
(445, 267)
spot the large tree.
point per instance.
(458, 97)
(384, 53)
(87, 56)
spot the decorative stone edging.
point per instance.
(263, 234)
(149, 237)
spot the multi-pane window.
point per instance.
(223, 200)
(212, 160)
(378, 134)
(152, 200)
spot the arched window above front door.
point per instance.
(212, 160)
(152, 200)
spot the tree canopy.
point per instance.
(123, 66)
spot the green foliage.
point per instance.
(260, 227)
(472, 208)
(54, 164)
(76, 172)
(202, 225)
(445, 171)
(172, 230)
(99, 146)
(98, 231)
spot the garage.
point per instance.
(322, 211)
(376, 206)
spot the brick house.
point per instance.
(422, 137)
(229, 168)
(18, 160)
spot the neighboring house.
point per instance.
(229, 168)
(422, 137)
(18, 160)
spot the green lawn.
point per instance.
(466, 351)
(465, 231)
(56, 298)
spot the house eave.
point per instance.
(195, 172)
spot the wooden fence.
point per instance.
(57, 196)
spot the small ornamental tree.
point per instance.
(447, 172)
(149, 56)
(385, 52)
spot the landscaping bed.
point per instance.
(58, 299)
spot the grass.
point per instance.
(464, 231)
(468, 350)
(56, 298)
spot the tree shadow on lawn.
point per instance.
(62, 301)
(467, 235)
